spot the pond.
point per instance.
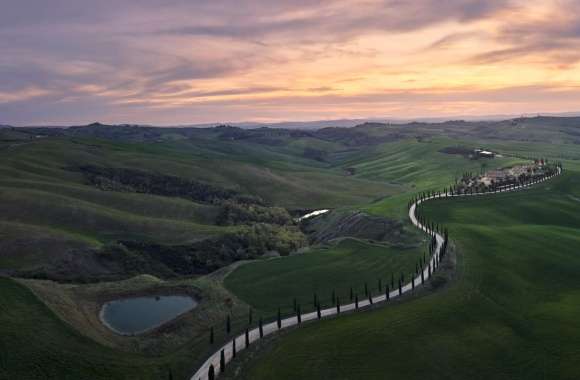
(136, 315)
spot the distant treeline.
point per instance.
(138, 181)
(208, 255)
(233, 213)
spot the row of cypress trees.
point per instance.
(430, 265)
(419, 269)
(423, 264)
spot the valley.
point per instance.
(96, 213)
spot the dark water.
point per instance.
(138, 314)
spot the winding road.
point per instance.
(253, 335)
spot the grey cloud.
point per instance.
(339, 20)
(556, 37)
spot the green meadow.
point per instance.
(511, 314)
(269, 284)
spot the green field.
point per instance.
(513, 313)
(267, 285)
(35, 344)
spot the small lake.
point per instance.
(136, 315)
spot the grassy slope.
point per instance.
(38, 166)
(512, 315)
(417, 165)
(25, 322)
(267, 285)
(37, 193)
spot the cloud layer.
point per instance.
(184, 61)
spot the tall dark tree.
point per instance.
(298, 314)
(222, 361)
(234, 347)
(211, 372)
(279, 318)
(337, 305)
(261, 328)
(387, 292)
(318, 311)
(356, 301)
(247, 338)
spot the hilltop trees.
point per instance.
(234, 213)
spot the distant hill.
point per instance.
(539, 129)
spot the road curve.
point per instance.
(270, 328)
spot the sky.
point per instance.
(196, 61)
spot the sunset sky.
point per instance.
(192, 61)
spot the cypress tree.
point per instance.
(370, 297)
(261, 328)
(337, 305)
(298, 314)
(247, 338)
(400, 287)
(211, 373)
(279, 319)
(234, 347)
(222, 361)
(387, 292)
(413, 282)
(318, 311)
(356, 301)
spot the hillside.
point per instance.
(94, 213)
(511, 313)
